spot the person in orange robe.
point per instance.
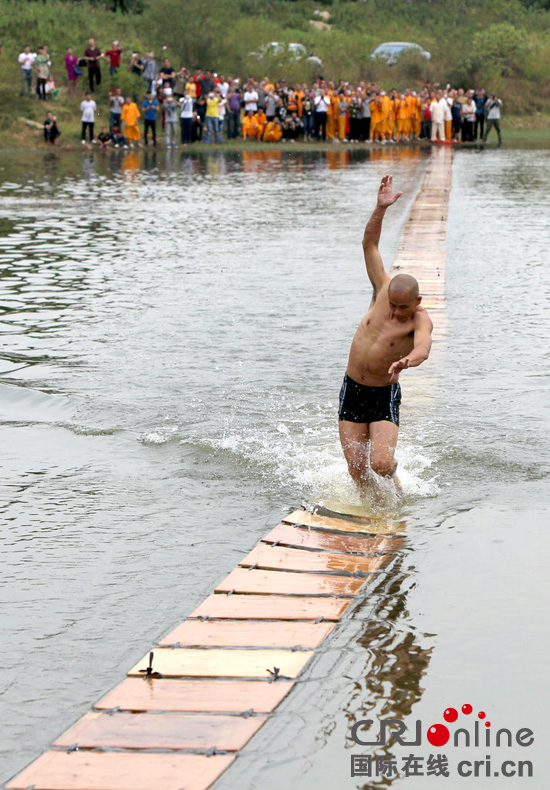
(260, 119)
(249, 126)
(331, 116)
(385, 103)
(273, 131)
(401, 118)
(129, 117)
(375, 118)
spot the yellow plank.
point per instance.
(272, 607)
(190, 662)
(242, 633)
(287, 583)
(288, 535)
(380, 527)
(121, 771)
(283, 558)
(172, 731)
(196, 696)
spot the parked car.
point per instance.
(276, 50)
(391, 51)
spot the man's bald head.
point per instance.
(403, 296)
(403, 286)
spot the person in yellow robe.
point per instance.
(260, 119)
(393, 114)
(273, 131)
(249, 126)
(385, 105)
(375, 118)
(417, 117)
(401, 112)
(129, 117)
(331, 115)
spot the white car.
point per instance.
(391, 51)
(279, 51)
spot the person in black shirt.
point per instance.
(92, 55)
(167, 73)
(206, 82)
(51, 132)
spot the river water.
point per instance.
(174, 332)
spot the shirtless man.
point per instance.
(394, 335)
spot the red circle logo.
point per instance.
(438, 735)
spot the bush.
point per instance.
(502, 47)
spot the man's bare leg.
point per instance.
(383, 441)
(354, 438)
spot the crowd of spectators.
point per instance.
(207, 107)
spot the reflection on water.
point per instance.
(173, 334)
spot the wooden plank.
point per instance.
(287, 535)
(121, 771)
(239, 633)
(189, 662)
(287, 583)
(196, 696)
(272, 607)
(379, 527)
(176, 731)
(283, 558)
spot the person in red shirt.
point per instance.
(114, 57)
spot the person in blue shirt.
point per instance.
(480, 98)
(150, 108)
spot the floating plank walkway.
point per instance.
(185, 710)
(421, 251)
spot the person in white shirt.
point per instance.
(223, 86)
(186, 117)
(25, 60)
(88, 108)
(222, 109)
(438, 111)
(250, 98)
(321, 103)
(468, 119)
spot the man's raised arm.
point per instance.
(375, 268)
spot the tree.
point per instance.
(502, 46)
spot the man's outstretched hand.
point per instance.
(385, 193)
(396, 368)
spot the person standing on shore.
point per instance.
(129, 117)
(114, 58)
(88, 109)
(171, 108)
(71, 63)
(92, 55)
(42, 65)
(116, 103)
(26, 60)
(150, 106)
(492, 108)
(394, 335)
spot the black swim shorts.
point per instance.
(359, 403)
